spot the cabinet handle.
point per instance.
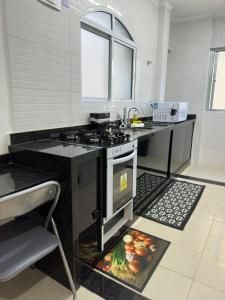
(95, 214)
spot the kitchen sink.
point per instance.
(141, 128)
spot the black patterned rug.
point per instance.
(175, 205)
(147, 184)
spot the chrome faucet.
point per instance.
(128, 115)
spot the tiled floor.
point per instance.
(206, 172)
(193, 267)
(34, 285)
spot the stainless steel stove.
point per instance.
(120, 154)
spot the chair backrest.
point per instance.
(20, 203)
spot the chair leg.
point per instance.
(65, 263)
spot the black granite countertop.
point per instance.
(14, 178)
(58, 148)
(46, 134)
(141, 133)
(55, 147)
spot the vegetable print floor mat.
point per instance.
(134, 258)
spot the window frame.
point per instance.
(211, 79)
(113, 37)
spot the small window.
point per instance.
(94, 53)
(120, 29)
(217, 80)
(107, 58)
(122, 71)
(102, 18)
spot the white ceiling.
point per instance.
(187, 9)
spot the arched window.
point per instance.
(108, 54)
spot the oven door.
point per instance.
(121, 181)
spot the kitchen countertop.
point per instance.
(58, 148)
(142, 133)
(14, 178)
(70, 150)
(46, 134)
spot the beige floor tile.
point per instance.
(207, 172)
(205, 211)
(154, 228)
(26, 284)
(180, 260)
(215, 249)
(11, 290)
(190, 239)
(211, 197)
(52, 292)
(34, 285)
(84, 294)
(199, 224)
(217, 230)
(221, 203)
(202, 292)
(219, 188)
(167, 285)
(211, 273)
(220, 214)
(211, 185)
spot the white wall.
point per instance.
(5, 113)
(44, 52)
(187, 77)
(162, 51)
(212, 151)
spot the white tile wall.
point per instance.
(187, 81)
(44, 50)
(6, 122)
(162, 50)
(218, 39)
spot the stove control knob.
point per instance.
(110, 141)
(95, 214)
(116, 140)
(127, 137)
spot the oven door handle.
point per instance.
(123, 159)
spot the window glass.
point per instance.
(94, 65)
(101, 18)
(106, 60)
(122, 71)
(218, 85)
(120, 29)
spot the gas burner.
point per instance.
(105, 138)
(72, 136)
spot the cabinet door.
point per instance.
(181, 146)
(89, 210)
(153, 153)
